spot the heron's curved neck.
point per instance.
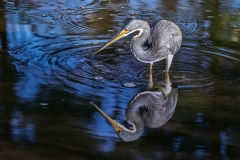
(137, 44)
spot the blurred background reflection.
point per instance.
(48, 75)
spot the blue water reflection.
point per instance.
(22, 128)
(49, 76)
(227, 142)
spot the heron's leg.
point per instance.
(150, 81)
(167, 86)
(168, 62)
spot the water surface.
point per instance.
(49, 76)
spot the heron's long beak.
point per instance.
(122, 34)
(115, 125)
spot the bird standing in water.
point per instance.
(151, 44)
(151, 108)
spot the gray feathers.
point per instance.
(161, 39)
(151, 108)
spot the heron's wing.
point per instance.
(161, 114)
(165, 38)
(161, 52)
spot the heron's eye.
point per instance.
(119, 131)
(126, 30)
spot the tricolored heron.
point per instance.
(153, 108)
(151, 44)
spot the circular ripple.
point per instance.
(69, 64)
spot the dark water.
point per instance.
(49, 75)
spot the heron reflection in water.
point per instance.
(153, 108)
(151, 44)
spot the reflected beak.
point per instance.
(122, 34)
(115, 125)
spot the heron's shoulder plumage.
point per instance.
(166, 26)
(165, 34)
(147, 98)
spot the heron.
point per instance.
(153, 108)
(151, 44)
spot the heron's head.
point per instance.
(123, 132)
(130, 27)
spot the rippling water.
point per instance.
(49, 75)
